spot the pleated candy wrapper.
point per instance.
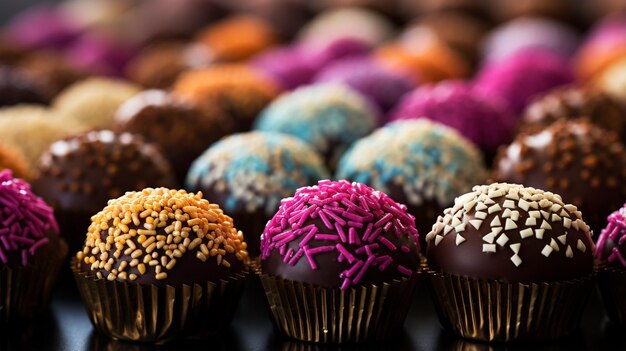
(612, 285)
(330, 315)
(25, 290)
(496, 311)
(150, 313)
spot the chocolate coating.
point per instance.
(582, 162)
(78, 175)
(573, 103)
(470, 257)
(54, 71)
(17, 87)
(181, 130)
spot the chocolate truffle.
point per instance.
(237, 38)
(604, 46)
(340, 235)
(481, 118)
(329, 117)
(31, 251)
(411, 9)
(248, 174)
(92, 103)
(610, 248)
(189, 241)
(181, 130)
(239, 93)
(11, 158)
(421, 164)
(53, 70)
(582, 162)
(78, 175)
(524, 75)
(613, 80)
(504, 10)
(382, 86)
(575, 102)
(16, 87)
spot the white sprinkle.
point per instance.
(545, 202)
(489, 238)
(496, 193)
(438, 239)
(447, 218)
(567, 223)
(534, 204)
(447, 229)
(516, 260)
(489, 248)
(510, 224)
(515, 215)
(545, 225)
(547, 250)
(508, 204)
(555, 217)
(545, 214)
(476, 223)
(563, 238)
(437, 227)
(506, 213)
(571, 208)
(469, 205)
(456, 221)
(575, 224)
(502, 239)
(555, 208)
(480, 215)
(460, 228)
(554, 245)
(496, 230)
(489, 202)
(481, 206)
(513, 194)
(495, 222)
(515, 247)
(581, 246)
(494, 208)
(539, 233)
(531, 221)
(459, 239)
(535, 214)
(523, 204)
(568, 252)
(526, 233)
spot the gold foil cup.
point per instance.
(150, 313)
(490, 310)
(612, 286)
(25, 290)
(330, 315)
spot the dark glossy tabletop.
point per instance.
(66, 327)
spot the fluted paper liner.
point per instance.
(150, 313)
(612, 285)
(25, 290)
(330, 315)
(490, 310)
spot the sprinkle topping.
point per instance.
(357, 224)
(153, 228)
(25, 219)
(616, 232)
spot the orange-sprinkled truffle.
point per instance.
(237, 91)
(12, 159)
(237, 38)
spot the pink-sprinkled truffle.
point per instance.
(337, 49)
(100, 55)
(290, 67)
(483, 119)
(524, 75)
(382, 86)
(340, 235)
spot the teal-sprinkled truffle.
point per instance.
(330, 117)
(248, 174)
(419, 163)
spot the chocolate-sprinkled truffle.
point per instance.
(421, 164)
(380, 85)
(16, 87)
(524, 75)
(610, 246)
(92, 103)
(248, 174)
(511, 233)
(11, 158)
(340, 235)
(575, 102)
(181, 130)
(483, 119)
(329, 117)
(239, 93)
(582, 162)
(78, 175)
(163, 237)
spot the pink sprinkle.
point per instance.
(296, 257)
(345, 253)
(354, 268)
(288, 255)
(37, 245)
(367, 232)
(332, 237)
(353, 238)
(362, 271)
(308, 237)
(405, 270)
(320, 249)
(342, 234)
(325, 220)
(386, 218)
(387, 243)
(355, 224)
(345, 284)
(405, 248)
(24, 257)
(375, 234)
(310, 258)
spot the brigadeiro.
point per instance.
(181, 130)
(483, 119)
(530, 32)
(53, 70)
(582, 162)
(329, 117)
(524, 75)
(524, 253)
(382, 86)
(154, 246)
(236, 91)
(92, 103)
(339, 244)
(613, 80)
(17, 87)
(610, 255)
(504, 10)
(11, 158)
(248, 174)
(79, 174)
(289, 67)
(575, 102)
(604, 45)
(100, 55)
(421, 164)
(31, 251)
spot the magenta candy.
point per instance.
(610, 245)
(323, 54)
(42, 27)
(99, 55)
(289, 67)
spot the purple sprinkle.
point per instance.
(362, 271)
(345, 284)
(386, 218)
(387, 243)
(37, 245)
(296, 257)
(355, 224)
(331, 237)
(345, 253)
(325, 220)
(350, 272)
(367, 232)
(310, 258)
(320, 249)
(616, 231)
(353, 237)
(405, 270)
(342, 234)
(375, 234)
(405, 248)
